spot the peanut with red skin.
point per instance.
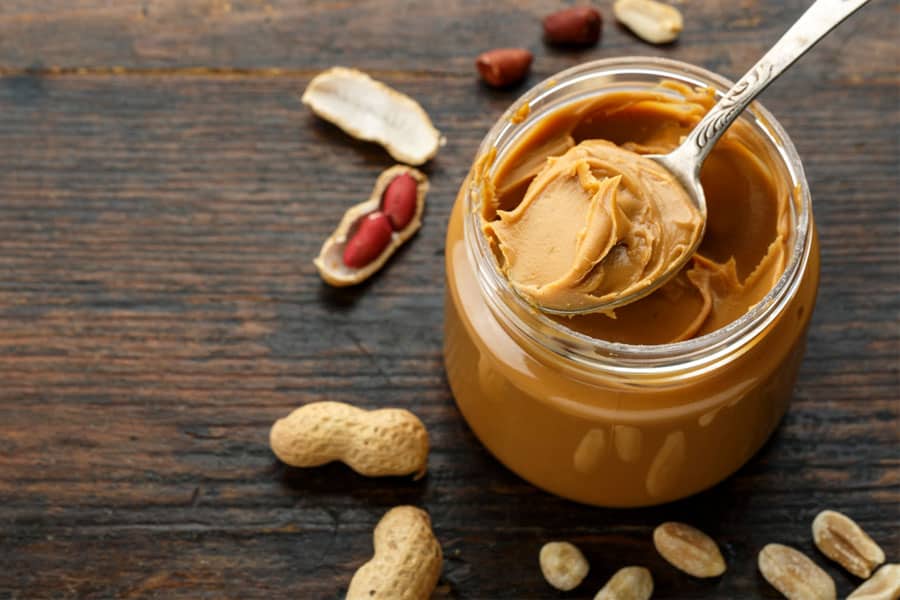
(370, 239)
(399, 201)
(576, 26)
(503, 67)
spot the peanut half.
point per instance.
(389, 441)
(651, 21)
(563, 565)
(370, 232)
(843, 541)
(883, 585)
(794, 575)
(688, 549)
(630, 583)
(407, 560)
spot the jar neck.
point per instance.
(536, 330)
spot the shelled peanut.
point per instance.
(371, 231)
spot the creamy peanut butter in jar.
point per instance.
(662, 397)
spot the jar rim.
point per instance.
(691, 356)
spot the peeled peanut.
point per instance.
(688, 549)
(563, 565)
(407, 560)
(630, 583)
(650, 20)
(388, 441)
(883, 585)
(843, 541)
(794, 575)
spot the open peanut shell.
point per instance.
(330, 261)
(370, 110)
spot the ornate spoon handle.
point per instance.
(816, 23)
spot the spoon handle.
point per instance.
(812, 26)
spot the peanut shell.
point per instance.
(370, 110)
(388, 441)
(407, 560)
(330, 262)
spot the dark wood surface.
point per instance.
(162, 194)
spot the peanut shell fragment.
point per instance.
(794, 575)
(688, 549)
(629, 583)
(332, 260)
(370, 110)
(843, 541)
(883, 585)
(563, 565)
(650, 20)
(388, 441)
(407, 560)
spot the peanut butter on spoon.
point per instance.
(596, 224)
(626, 227)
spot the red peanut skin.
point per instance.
(504, 67)
(369, 241)
(399, 201)
(576, 26)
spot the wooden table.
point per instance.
(162, 194)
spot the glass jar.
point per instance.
(608, 423)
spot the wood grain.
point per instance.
(162, 194)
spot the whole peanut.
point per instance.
(407, 560)
(389, 441)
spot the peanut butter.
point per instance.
(576, 216)
(597, 224)
(638, 424)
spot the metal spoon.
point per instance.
(684, 162)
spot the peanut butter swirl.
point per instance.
(597, 224)
(571, 217)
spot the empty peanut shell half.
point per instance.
(370, 232)
(370, 110)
